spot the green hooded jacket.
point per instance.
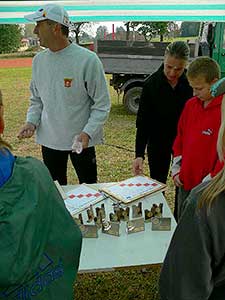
(40, 243)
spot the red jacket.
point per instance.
(196, 141)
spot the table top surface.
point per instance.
(108, 252)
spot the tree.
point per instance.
(79, 28)
(161, 29)
(150, 29)
(173, 30)
(127, 25)
(29, 31)
(147, 29)
(85, 38)
(134, 26)
(101, 32)
(120, 29)
(10, 38)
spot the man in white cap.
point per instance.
(69, 98)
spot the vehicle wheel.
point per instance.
(131, 99)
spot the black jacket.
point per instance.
(159, 110)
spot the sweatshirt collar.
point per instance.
(215, 101)
(62, 51)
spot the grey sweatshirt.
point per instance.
(69, 94)
(194, 267)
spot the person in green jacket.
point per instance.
(40, 243)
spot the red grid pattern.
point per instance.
(84, 195)
(139, 184)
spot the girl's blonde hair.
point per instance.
(217, 184)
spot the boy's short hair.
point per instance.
(205, 67)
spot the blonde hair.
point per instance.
(217, 184)
(205, 67)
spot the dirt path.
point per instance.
(16, 62)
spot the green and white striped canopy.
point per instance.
(116, 10)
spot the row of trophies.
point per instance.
(96, 219)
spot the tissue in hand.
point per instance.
(77, 145)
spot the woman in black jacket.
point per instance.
(163, 97)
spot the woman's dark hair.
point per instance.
(178, 49)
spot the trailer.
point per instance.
(130, 62)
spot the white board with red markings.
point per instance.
(81, 198)
(133, 188)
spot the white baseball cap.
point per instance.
(52, 12)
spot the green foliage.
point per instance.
(85, 38)
(152, 29)
(27, 53)
(10, 38)
(78, 32)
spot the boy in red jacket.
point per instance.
(195, 156)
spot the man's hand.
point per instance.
(176, 180)
(26, 131)
(84, 138)
(138, 166)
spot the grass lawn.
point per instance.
(114, 163)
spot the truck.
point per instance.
(129, 63)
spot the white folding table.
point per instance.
(144, 248)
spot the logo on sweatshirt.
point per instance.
(68, 82)
(208, 131)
